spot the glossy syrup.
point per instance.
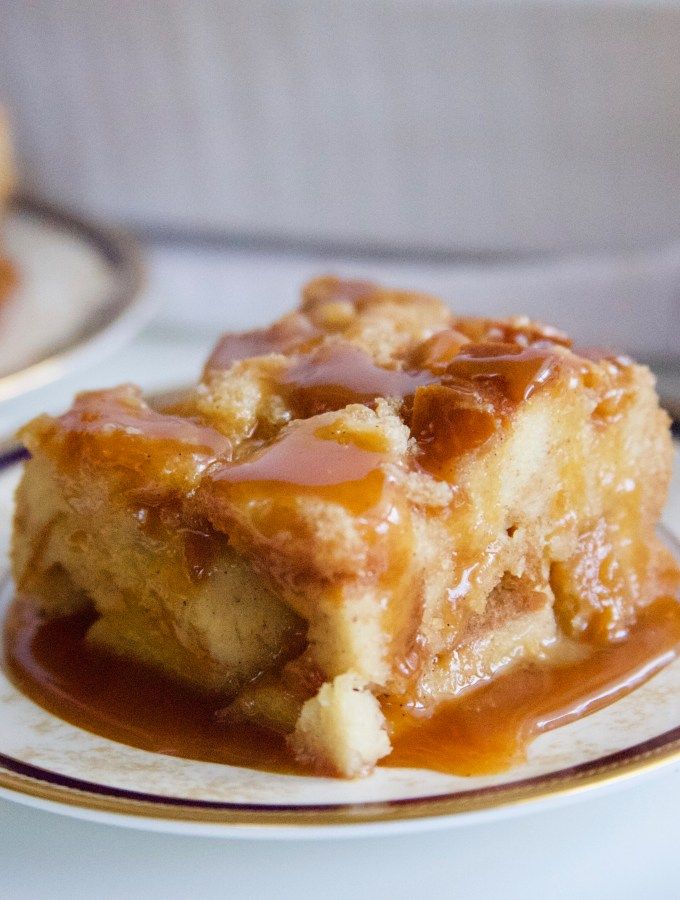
(285, 336)
(487, 730)
(315, 459)
(339, 374)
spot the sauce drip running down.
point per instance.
(313, 459)
(490, 728)
(486, 730)
(117, 428)
(121, 411)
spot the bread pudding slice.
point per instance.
(372, 505)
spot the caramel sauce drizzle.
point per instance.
(311, 458)
(285, 336)
(511, 371)
(314, 459)
(457, 394)
(478, 386)
(339, 374)
(448, 421)
(120, 413)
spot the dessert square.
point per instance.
(360, 513)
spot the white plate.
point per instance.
(49, 763)
(78, 295)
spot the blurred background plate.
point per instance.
(78, 296)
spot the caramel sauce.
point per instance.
(339, 374)
(121, 410)
(448, 421)
(513, 372)
(284, 336)
(489, 729)
(314, 460)
(116, 427)
(309, 455)
(486, 730)
(477, 388)
(457, 398)
(457, 392)
(52, 663)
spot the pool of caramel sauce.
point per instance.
(50, 661)
(486, 730)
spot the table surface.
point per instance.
(619, 845)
